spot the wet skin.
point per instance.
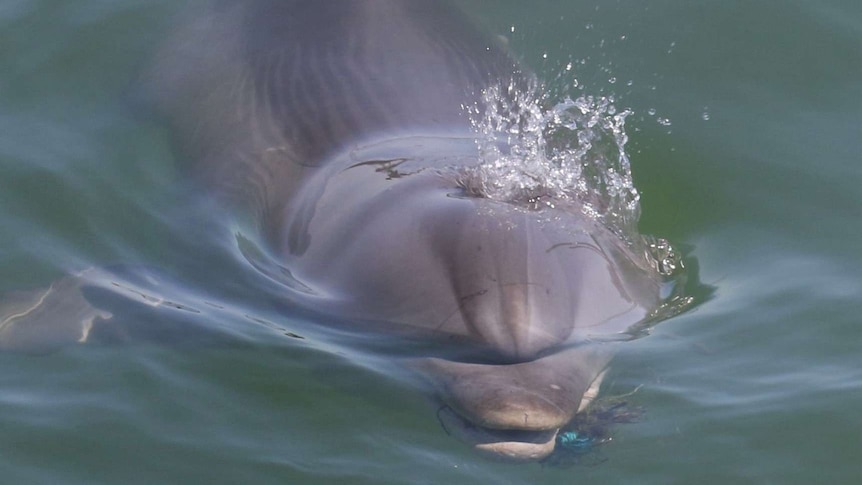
(339, 126)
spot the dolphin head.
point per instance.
(522, 292)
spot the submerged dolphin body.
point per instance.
(339, 126)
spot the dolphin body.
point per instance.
(338, 126)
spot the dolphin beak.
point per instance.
(514, 411)
(505, 444)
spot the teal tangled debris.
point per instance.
(571, 441)
(579, 443)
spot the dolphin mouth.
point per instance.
(514, 412)
(504, 444)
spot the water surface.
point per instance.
(746, 147)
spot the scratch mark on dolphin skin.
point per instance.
(388, 166)
(576, 245)
(464, 298)
(461, 302)
(440, 420)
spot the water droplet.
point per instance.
(612, 80)
(651, 111)
(544, 55)
(705, 115)
(663, 121)
(569, 66)
(512, 29)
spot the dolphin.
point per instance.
(338, 128)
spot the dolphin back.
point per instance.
(332, 71)
(260, 92)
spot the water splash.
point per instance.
(539, 151)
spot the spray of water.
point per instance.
(537, 151)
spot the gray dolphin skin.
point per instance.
(336, 124)
(338, 128)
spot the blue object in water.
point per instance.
(570, 440)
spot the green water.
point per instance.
(757, 172)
